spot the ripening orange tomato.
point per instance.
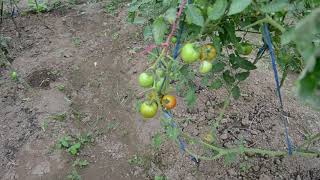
(169, 101)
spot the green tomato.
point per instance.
(205, 67)
(158, 86)
(148, 109)
(189, 54)
(146, 80)
(245, 48)
(160, 72)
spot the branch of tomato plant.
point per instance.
(221, 151)
(173, 30)
(268, 20)
(312, 139)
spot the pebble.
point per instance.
(264, 177)
(245, 122)
(232, 172)
(224, 136)
(298, 177)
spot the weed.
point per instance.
(244, 167)
(160, 178)
(137, 160)
(74, 175)
(45, 125)
(112, 6)
(59, 117)
(80, 163)
(61, 87)
(112, 125)
(73, 145)
(76, 41)
(38, 6)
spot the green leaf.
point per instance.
(287, 37)
(172, 132)
(139, 20)
(216, 84)
(242, 76)
(228, 78)
(238, 6)
(170, 15)
(245, 64)
(218, 67)
(217, 10)
(194, 15)
(309, 82)
(159, 28)
(191, 97)
(147, 32)
(235, 91)
(73, 150)
(275, 6)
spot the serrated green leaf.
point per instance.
(245, 64)
(242, 76)
(287, 37)
(216, 84)
(235, 91)
(191, 97)
(217, 10)
(218, 67)
(147, 32)
(234, 61)
(170, 15)
(159, 28)
(228, 78)
(275, 6)
(194, 15)
(73, 150)
(238, 6)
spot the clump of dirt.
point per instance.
(41, 78)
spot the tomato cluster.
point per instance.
(207, 54)
(157, 81)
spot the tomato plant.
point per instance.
(215, 33)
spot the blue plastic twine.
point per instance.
(267, 38)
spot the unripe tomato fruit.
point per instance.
(205, 67)
(148, 109)
(169, 101)
(245, 48)
(189, 54)
(146, 80)
(208, 53)
(160, 72)
(158, 86)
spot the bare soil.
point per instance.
(94, 56)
